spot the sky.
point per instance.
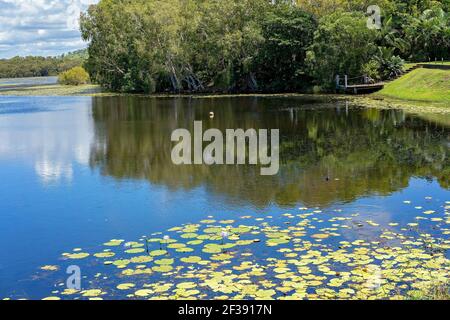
(40, 27)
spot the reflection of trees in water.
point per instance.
(330, 154)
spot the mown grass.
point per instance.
(429, 85)
(412, 64)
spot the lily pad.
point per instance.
(191, 259)
(104, 254)
(114, 243)
(163, 268)
(76, 256)
(165, 261)
(143, 293)
(92, 293)
(157, 253)
(50, 268)
(135, 251)
(126, 286)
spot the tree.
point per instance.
(254, 45)
(429, 35)
(342, 45)
(227, 42)
(288, 32)
(19, 67)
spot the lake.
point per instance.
(14, 83)
(359, 209)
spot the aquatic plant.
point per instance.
(310, 254)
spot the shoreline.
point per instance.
(374, 100)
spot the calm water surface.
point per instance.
(76, 172)
(9, 83)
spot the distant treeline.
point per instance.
(257, 45)
(19, 67)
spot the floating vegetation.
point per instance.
(317, 255)
(76, 256)
(52, 298)
(126, 286)
(114, 243)
(50, 268)
(104, 254)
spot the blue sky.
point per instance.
(40, 27)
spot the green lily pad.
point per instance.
(92, 293)
(191, 259)
(165, 261)
(157, 253)
(195, 242)
(126, 286)
(104, 254)
(76, 256)
(143, 293)
(135, 251)
(141, 259)
(114, 243)
(213, 230)
(189, 235)
(163, 268)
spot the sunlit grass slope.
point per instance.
(422, 84)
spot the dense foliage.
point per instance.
(74, 77)
(19, 67)
(197, 45)
(256, 45)
(342, 45)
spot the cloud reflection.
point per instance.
(54, 141)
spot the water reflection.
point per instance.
(328, 153)
(53, 137)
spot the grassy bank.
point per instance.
(428, 85)
(53, 90)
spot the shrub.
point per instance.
(74, 77)
(372, 70)
(391, 66)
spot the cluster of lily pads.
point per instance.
(308, 254)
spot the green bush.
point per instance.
(391, 66)
(74, 77)
(372, 70)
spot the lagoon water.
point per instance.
(76, 172)
(10, 83)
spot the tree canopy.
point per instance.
(20, 67)
(256, 45)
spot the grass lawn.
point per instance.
(412, 64)
(428, 85)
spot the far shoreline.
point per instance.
(374, 100)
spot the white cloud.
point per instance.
(40, 27)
